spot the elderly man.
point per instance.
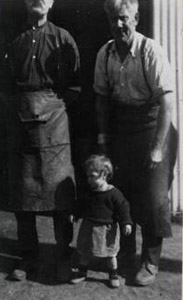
(42, 68)
(134, 104)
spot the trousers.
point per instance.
(151, 246)
(146, 191)
(28, 236)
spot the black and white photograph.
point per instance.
(91, 104)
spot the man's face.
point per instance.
(39, 7)
(123, 23)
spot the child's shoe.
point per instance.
(114, 279)
(78, 275)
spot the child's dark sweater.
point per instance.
(105, 207)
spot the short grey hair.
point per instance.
(112, 6)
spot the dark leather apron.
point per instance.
(40, 172)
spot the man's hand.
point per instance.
(154, 158)
(155, 155)
(127, 229)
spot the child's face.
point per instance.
(95, 179)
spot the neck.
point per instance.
(125, 45)
(123, 48)
(103, 188)
(37, 21)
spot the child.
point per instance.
(104, 207)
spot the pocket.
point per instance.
(34, 111)
(30, 117)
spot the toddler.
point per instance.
(103, 208)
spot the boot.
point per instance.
(146, 275)
(151, 251)
(26, 267)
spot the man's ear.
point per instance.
(137, 17)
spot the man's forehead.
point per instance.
(45, 1)
(125, 7)
(124, 10)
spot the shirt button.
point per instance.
(33, 41)
(122, 84)
(33, 56)
(33, 28)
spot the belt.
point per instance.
(125, 109)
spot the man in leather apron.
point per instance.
(134, 103)
(42, 65)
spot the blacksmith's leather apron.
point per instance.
(40, 172)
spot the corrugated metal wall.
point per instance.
(168, 31)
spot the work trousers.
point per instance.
(146, 191)
(151, 246)
(28, 236)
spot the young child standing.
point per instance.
(103, 207)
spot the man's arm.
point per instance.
(102, 111)
(71, 97)
(163, 125)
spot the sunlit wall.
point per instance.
(168, 31)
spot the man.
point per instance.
(134, 104)
(42, 68)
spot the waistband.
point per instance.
(23, 89)
(129, 120)
(135, 108)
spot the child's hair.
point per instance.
(100, 163)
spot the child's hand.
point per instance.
(127, 229)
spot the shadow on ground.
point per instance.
(46, 269)
(10, 257)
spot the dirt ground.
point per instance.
(43, 285)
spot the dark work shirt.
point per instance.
(43, 57)
(106, 207)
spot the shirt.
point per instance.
(125, 80)
(43, 57)
(105, 207)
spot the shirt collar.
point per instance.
(135, 44)
(31, 26)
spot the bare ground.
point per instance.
(43, 285)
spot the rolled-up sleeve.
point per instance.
(158, 70)
(72, 62)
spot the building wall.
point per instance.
(168, 31)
